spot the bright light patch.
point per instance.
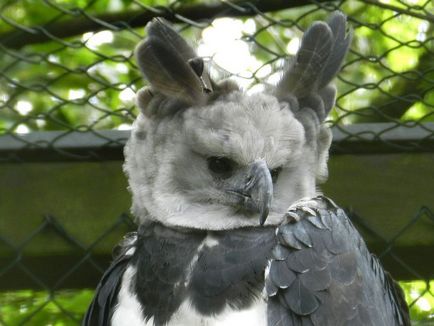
(274, 78)
(53, 58)
(249, 26)
(414, 294)
(75, 94)
(422, 29)
(124, 126)
(86, 36)
(97, 39)
(127, 95)
(264, 71)
(23, 308)
(423, 26)
(22, 129)
(24, 107)
(115, 5)
(423, 304)
(94, 100)
(258, 88)
(223, 42)
(4, 97)
(361, 91)
(235, 57)
(121, 68)
(105, 70)
(293, 46)
(41, 123)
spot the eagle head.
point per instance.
(206, 155)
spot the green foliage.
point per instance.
(64, 308)
(39, 308)
(420, 297)
(87, 81)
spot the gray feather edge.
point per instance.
(323, 48)
(322, 51)
(321, 273)
(163, 58)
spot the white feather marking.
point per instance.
(188, 316)
(128, 311)
(210, 241)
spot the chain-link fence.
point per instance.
(68, 65)
(68, 78)
(84, 265)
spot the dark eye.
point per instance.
(221, 166)
(275, 174)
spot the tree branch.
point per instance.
(138, 18)
(428, 16)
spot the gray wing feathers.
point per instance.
(322, 274)
(99, 312)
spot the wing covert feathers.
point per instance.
(101, 308)
(322, 274)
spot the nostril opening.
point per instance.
(249, 182)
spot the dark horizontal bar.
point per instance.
(108, 144)
(47, 146)
(388, 137)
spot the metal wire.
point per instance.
(72, 68)
(17, 267)
(67, 76)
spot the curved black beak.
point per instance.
(256, 191)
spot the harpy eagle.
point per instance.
(212, 172)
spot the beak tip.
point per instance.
(263, 217)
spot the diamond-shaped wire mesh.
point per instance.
(48, 302)
(68, 65)
(67, 70)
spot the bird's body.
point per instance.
(204, 161)
(213, 278)
(197, 277)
